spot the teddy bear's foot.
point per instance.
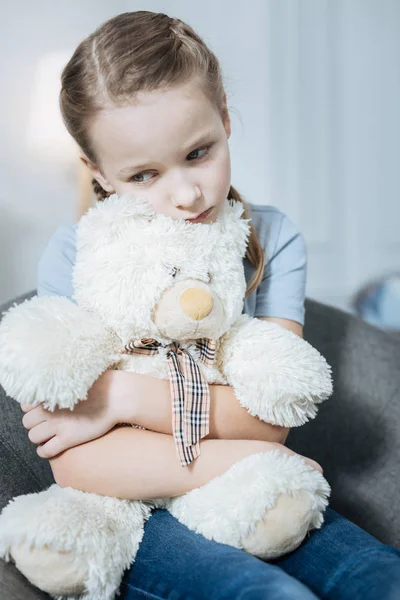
(53, 571)
(72, 544)
(265, 504)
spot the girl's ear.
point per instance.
(96, 173)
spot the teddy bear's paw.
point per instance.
(265, 503)
(283, 527)
(52, 351)
(68, 542)
(57, 573)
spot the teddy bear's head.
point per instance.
(148, 275)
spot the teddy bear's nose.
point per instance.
(196, 303)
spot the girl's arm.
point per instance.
(146, 401)
(138, 464)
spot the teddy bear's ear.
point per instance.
(234, 225)
(108, 216)
(236, 207)
(231, 211)
(128, 205)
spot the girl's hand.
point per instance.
(62, 429)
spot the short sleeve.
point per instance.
(281, 292)
(54, 273)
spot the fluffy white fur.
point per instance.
(52, 351)
(100, 535)
(249, 488)
(275, 392)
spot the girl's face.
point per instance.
(171, 147)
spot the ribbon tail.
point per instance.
(185, 454)
(190, 406)
(197, 403)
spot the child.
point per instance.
(143, 97)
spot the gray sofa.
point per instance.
(355, 436)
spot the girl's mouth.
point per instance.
(201, 217)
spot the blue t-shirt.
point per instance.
(281, 292)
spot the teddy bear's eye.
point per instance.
(209, 277)
(174, 271)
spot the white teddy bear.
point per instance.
(161, 297)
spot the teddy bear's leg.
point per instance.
(54, 572)
(265, 504)
(71, 543)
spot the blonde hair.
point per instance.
(141, 51)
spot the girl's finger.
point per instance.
(41, 433)
(51, 448)
(34, 417)
(26, 407)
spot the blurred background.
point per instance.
(313, 91)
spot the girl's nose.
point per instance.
(196, 303)
(187, 196)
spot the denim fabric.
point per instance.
(339, 561)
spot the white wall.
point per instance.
(314, 92)
(334, 136)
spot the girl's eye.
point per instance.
(206, 150)
(139, 175)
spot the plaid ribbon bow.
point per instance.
(189, 390)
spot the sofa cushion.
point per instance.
(22, 470)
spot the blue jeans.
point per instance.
(340, 561)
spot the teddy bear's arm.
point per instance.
(275, 374)
(52, 351)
